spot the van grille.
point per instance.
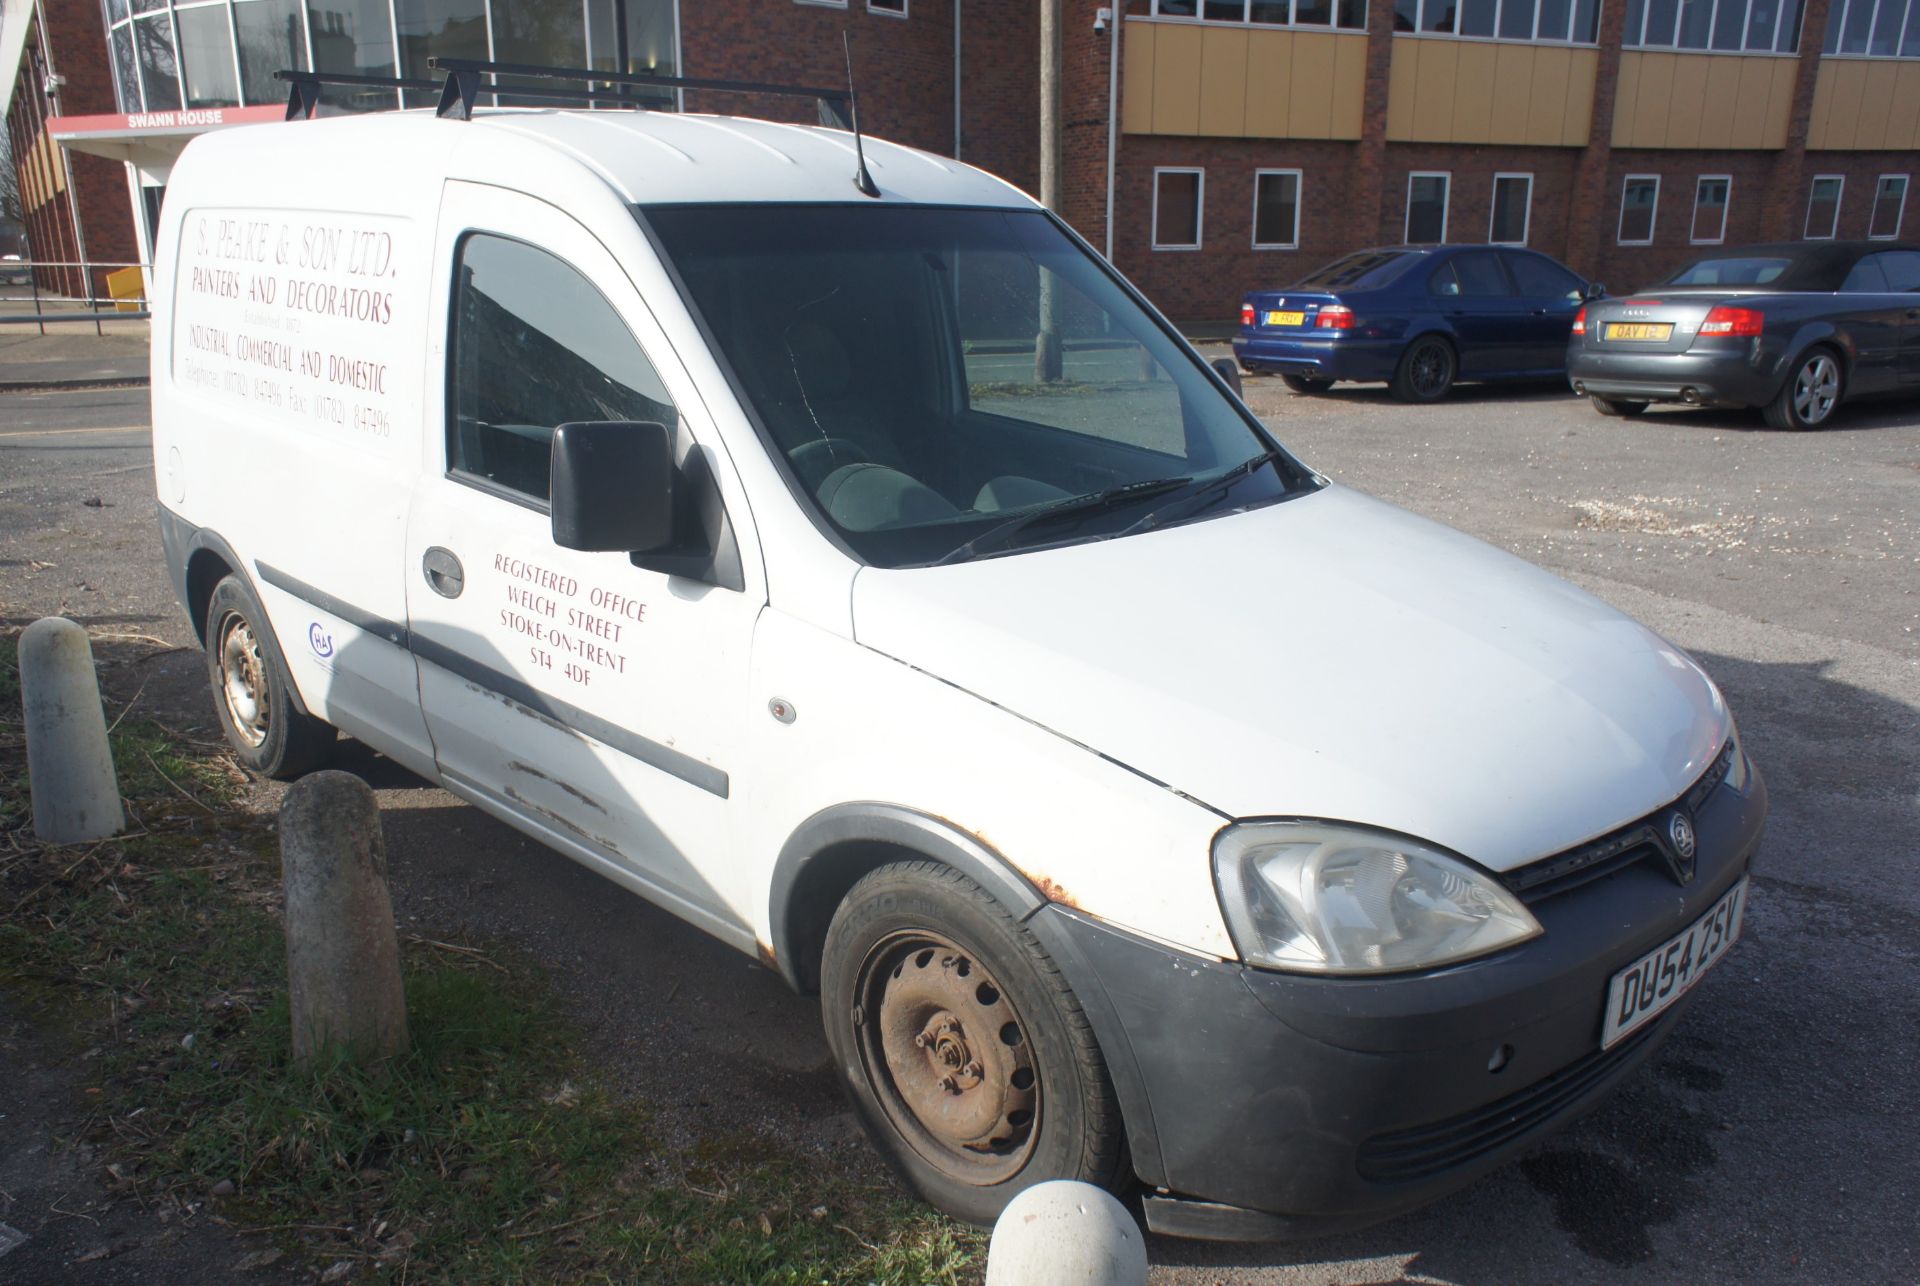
(1405, 1155)
(1628, 846)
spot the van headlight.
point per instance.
(1324, 898)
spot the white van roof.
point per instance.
(653, 158)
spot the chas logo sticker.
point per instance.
(320, 641)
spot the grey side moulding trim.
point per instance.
(668, 760)
(378, 626)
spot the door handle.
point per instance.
(445, 576)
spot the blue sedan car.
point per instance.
(1419, 317)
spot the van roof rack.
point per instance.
(303, 88)
(463, 87)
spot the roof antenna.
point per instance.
(861, 179)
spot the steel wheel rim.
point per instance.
(1429, 369)
(243, 680)
(948, 1058)
(1815, 389)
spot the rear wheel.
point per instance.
(1811, 393)
(1305, 383)
(965, 1052)
(1426, 370)
(1615, 406)
(251, 691)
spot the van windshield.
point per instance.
(946, 384)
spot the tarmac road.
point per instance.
(1773, 1139)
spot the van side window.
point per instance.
(535, 346)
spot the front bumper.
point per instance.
(1701, 377)
(1328, 355)
(1282, 1105)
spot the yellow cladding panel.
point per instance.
(1512, 94)
(1136, 78)
(1875, 102)
(1577, 124)
(1223, 81)
(1689, 100)
(1472, 93)
(1719, 111)
(1269, 73)
(1625, 95)
(1176, 80)
(1434, 94)
(1349, 101)
(1843, 113)
(1547, 114)
(1903, 119)
(1310, 104)
(1403, 78)
(1754, 100)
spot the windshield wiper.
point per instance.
(1071, 507)
(1199, 494)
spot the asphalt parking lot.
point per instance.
(1773, 1139)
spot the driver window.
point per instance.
(535, 346)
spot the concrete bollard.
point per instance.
(1063, 1232)
(76, 798)
(343, 956)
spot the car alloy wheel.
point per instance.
(1816, 389)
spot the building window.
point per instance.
(1710, 209)
(1889, 205)
(1348, 14)
(1276, 209)
(897, 8)
(1550, 21)
(1729, 26)
(1873, 29)
(1823, 207)
(1179, 195)
(1639, 200)
(1427, 207)
(1512, 209)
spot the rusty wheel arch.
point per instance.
(829, 853)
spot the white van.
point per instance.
(1144, 807)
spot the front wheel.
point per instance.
(1811, 393)
(1305, 383)
(964, 1051)
(252, 693)
(1426, 370)
(1614, 406)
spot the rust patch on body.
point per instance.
(1052, 891)
(767, 957)
(565, 823)
(528, 711)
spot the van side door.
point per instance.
(595, 704)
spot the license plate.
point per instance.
(1644, 989)
(1639, 330)
(1286, 319)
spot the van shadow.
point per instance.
(1706, 1156)
(1541, 390)
(709, 1039)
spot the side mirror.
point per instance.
(612, 486)
(1596, 290)
(1230, 372)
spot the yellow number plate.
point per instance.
(1286, 319)
(1639, 330)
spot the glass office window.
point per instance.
(125, 74)
(1823, 207)
(1276, 209)
(439, 29)
(355, 37)
(1710, 210)
(1889, 204)
(206, 56)
(273, 37)
(1427, 208)
(1639, 203)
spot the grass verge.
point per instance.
(489, 1152)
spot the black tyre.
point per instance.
(963, 1049)
(1615, 406)
(1811, 394)
(1305, 383)
(1426, 370)
(251, 691)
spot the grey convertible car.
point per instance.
(1790, 328)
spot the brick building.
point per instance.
(1210, 146)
